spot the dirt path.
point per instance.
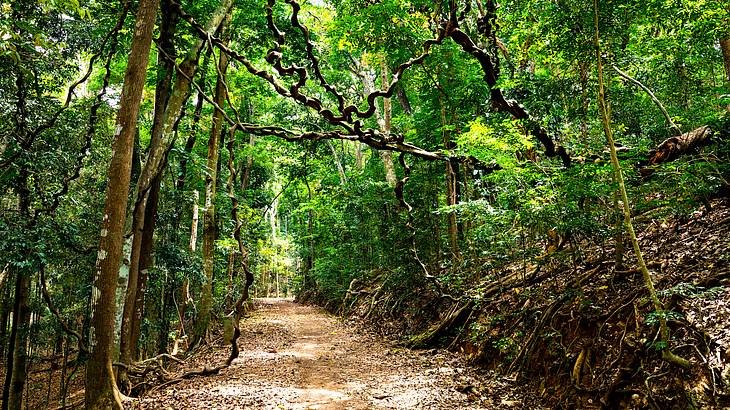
(297, 357)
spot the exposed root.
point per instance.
(529, 346)
(458, 315)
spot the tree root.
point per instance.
(457, 316)
(528, 347)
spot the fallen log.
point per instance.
(672, 148)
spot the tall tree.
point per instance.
(209, 216)
(101, 390)
(171, 108)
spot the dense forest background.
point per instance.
(440, 169)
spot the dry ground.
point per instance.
(298, 357)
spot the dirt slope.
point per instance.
(297, 357)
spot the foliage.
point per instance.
(317, 216)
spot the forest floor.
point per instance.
(300, 357)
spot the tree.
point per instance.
(209, 216)
(101, 389)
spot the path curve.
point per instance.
(299, 357)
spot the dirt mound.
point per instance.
(582, 333)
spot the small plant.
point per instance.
(507, 346)
(690, 291)
(655, 317)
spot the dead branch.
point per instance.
(672, 148)
(651, 95)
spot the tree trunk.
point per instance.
(167, 302)
(209, 226)
(145, 263)
(667, 354)
(405, 103)
(140, 229)
(190, 143)
(338, 164)
(583, 70)
(19, 338)
(451, 186)
(387, 156)
(246, 177)
(176, 102)
(673, 147)
(725, 47)
(101, 390)
(5, 314)
(194, 224)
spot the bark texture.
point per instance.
(146, 205)
(672, 148)
(101, 389)
(209, 216)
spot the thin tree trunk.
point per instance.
(209, 228)
(178, 97)
(451, 189)
(338, 164)
(359, 158)
(101, 390)
(405, 104)
(229, 273)
(16, 373)
(387, 156)
(190, 143)
(145, 263)
(4, 316)
(19, 337)
(167, 302)
(246, 177)
(583, 69)
(725, 48)
(194, 224)
(667, 354)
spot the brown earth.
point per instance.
(299, 357)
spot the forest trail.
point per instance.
(299, 357)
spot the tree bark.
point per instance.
(338, 164)
(180, 94)
(101, 390)
(673, 147)
(17, 359)
(145, 263)
(385, 155)
(209, 226)
(19, 336)
(583, 70)
(194, 223)
(168, 108)
(141, 213)
(246, 177)
(5, 314)
(190, 143)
